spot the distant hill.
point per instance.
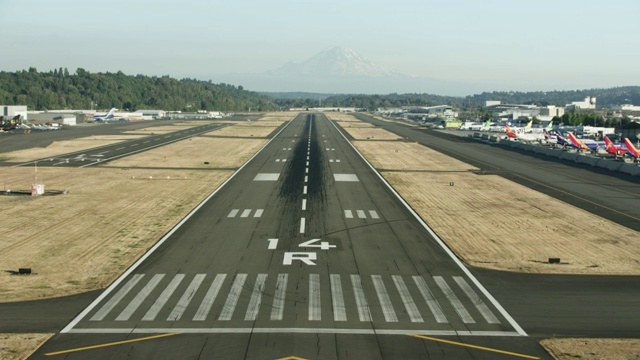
(57, 89)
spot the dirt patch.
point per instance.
(593, 349)
(395, 155)
(195, 152)
(20, 346)
(154, 130)
(64, 147)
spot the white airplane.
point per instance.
(104, 117)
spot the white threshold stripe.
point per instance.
(245, 213)
(256, 298)
(209, 298)
(185, 299)
(233, 213)
(258, 213)
(407, 300)
(444, 247)
(314, 297)
(109, 305)
(277, 309)
(337, 298)
(431, 301)
(453, 299)
(142, 295)
(475, 299)
(374, 214)
(348, 214)
(385, 302)
(361, 301)
(232, 298)
(361, 214)
(163, 298)
(144, 257)
(368, 331)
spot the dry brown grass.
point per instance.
(494, 223)
(67, 146)
(83, 240)
(20, 346)
(338, 116)
(163, 129)
(258, 130)
(593, 349)
(395, 155)
(193, 153)
(354, 124)
(359, 133)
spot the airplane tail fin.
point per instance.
(110, 113)
(529, 125)
(608, 143)
(577, 143)
(509, 132)
(632, 149)
(549, 125)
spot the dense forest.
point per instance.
(604, 98)
(58, 89)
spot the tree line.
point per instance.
(59, 90)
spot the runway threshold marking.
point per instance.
(109, 344)
(474, 346)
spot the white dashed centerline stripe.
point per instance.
(256, 298)
(314, 297)
(109, 305)
(306, 179)
(304, 204)
(304, 190)
(302, 224)
(339, 311)
(232, 298)
(277, 309)
(142, 295)
(209, 298)
(453, 299)
(163, 298)
(184, 301)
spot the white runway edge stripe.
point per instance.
(466, 271)
(144, 257)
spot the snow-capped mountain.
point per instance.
(335, 61)
(340, 70)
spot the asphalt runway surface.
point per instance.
(305, 252)
(231, 290)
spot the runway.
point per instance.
(304, 252)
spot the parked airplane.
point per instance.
(585, 144)
(104, 117)
(6, 125)
(519, 134)
(615, 150)
(632, 149)
(548, 138)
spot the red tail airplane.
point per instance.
(613, 149)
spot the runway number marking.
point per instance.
(306, 257)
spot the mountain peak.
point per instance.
(334, 61)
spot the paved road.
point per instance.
(305, 252)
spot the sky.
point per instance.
(489, 44)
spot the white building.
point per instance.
(9, 111)
(588, 103)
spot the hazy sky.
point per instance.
(501, 45)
